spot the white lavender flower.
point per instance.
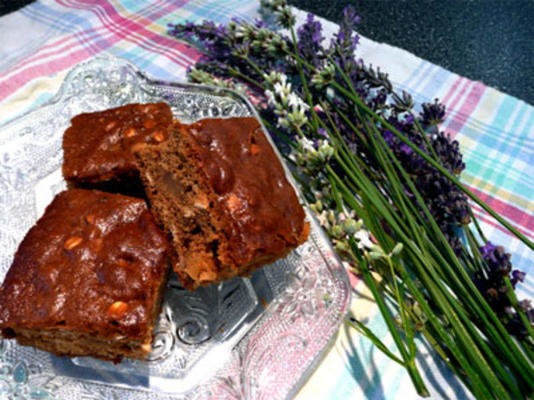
(245, 31)
(350, 226)
(295, 119)
(363, 238)
(283, 90)
(323, 77)
(205, 78)
(273, 78)
(396, 249)
(275, 44)
(262, 38)
(232, 28)
(376, 252)
(288, 106)
(325, 151)
(281, 10)
(296, 102)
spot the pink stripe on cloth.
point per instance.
(54, 48)
(161, 10)
(51, 67)
(134, 32)
(459, 117)
(466, 109)
(454, 102)
(353, 278)
(520, 218)
(452, 89)
(82, 45)
(81, 35)
(58, 47)
(481, 215)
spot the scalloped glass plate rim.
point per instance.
(319, 239)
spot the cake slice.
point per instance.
(97, 146)
(220, 192)
(88, 278)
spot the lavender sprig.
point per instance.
(366, 162)
(309, 40)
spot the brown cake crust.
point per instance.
(220, 191)
(97, 146)
(88, 278)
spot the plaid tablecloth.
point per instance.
(41, 42)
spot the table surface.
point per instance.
(486, 40)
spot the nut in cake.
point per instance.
(88, 278)
(97, 146)
(221, 193)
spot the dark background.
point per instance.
(487, 40)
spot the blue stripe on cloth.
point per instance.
(361, 373)
(437, 79)
(423, 75)
(60, 20)
(416, 72)
(221, 12)
(85, 32)
(422, 96)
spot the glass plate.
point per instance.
(255, 338)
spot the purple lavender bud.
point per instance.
(389, 137)
(258, 22)
(433, 113)
(487, 249)
(350, 18)
(525, 305)
(517, 276)
(344, 42)
(407, 150)
(498, 261)
(409, 119)
(309, 40)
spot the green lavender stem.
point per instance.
(357, 100)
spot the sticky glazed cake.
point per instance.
(97, 146)
(88, 278)
(220, 192)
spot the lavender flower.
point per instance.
(515, 325)
(309, 40)
(402, 103)
(379, 99)
(209, 36)
(281, 11)
(288, 106)
(517, 276)
(375, 78)
(232, 46)
(448, 152)
(323, 77)
(498, 261)
(345, 41)
(433, 113)
(238, 49)
(491, 283)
